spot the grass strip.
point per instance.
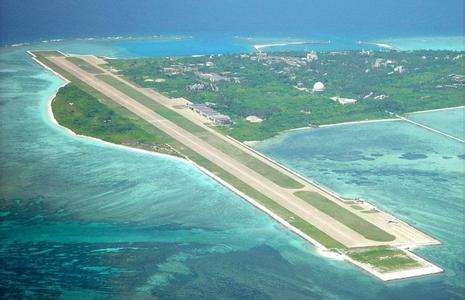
(79, 62)
(290, 217)
(47, 53)
(345, 216)
(248, 160)
(384, 259)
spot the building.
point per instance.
(318, 87)
(312, 56)
(254, 119)
(213, 77)
(209, 113)
(344, 101)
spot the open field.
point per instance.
(384, 259)
(237, 167)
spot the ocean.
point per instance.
(82, 219)
(26, 21)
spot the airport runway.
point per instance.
(405, 234)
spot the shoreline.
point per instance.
(259, 47)
(160, 37)
(253, 143)
(54, 121)
(433, 110)
(382, 43)
(320, 249)
(446, 42)
(379, 45)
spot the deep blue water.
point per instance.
(33, 20)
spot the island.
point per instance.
(201, 108)
(282, 89)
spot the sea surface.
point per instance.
(426, 42)
(450, 121)
(407, 170)
(81, 219)
(25, 21)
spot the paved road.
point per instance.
(405, 234)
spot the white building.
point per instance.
(318, 87)
(254, 119)
(312, 56)
(399, 69)
(344, 101)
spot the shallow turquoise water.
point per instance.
(409, 171)
(451, 121)
(83, 219)
(456, 43)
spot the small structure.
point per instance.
(380, 97)
(399, 69)
(343, 101)
(312, 56)
(213, 77)
(209, 113)
(254, 119)
(261, 55)
(318, 87)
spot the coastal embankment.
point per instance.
(221, 166)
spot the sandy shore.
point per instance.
(320, 248)
(380, 45)
(259, 47)
(343, 123)
(53, 120)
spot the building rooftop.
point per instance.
(209, 113)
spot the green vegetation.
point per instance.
(384, 259)
(257, 165)
(244, 85)
(84, 65)
(345, 216)
(47, 53)
(91, 112)
(86, 115)
(285, 214)
(357, 207)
